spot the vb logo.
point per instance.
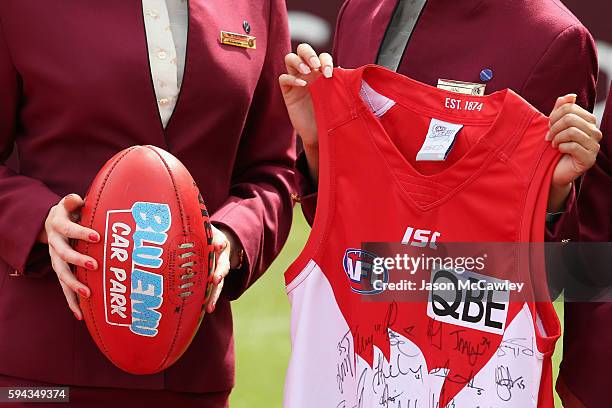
(420, 237)
(358, 267)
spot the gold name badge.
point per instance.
(466, 88)
(238, 40)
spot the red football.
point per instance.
(155, 259)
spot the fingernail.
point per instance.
(304, 68)
(327, 72)
(301, 82)
(94, 237)
(314, 61)
(547, 137)
(76, 316)
(83, 292)
(90, 265)
(213, 307)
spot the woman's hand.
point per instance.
(302, 69)
(226, 255)
(60, 226)
(574, 132)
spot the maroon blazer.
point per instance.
(584, 373)
(534, 47)
(75, 88)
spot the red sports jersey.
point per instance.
(486, 180)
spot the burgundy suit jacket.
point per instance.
(588, 331)
(75, 88)
(535, 47)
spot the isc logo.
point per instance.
(358, 267)
(420, 237)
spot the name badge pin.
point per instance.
(466, 88)
(238, 40)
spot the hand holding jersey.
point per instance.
(303, 68)
(573, 130)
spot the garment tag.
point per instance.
(438, 141)
(379, 104)
(238, 40)
(466, 88)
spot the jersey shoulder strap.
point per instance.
(333, 102)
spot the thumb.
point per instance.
(73, 202)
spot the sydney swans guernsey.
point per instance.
(405, 162)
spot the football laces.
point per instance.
(186, 266)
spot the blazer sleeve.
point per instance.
(259, 210)
(568, 65)
(24, 202)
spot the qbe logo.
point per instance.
(468, 299)
(358, 267)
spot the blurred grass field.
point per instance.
(261, 331)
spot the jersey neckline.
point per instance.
(504, 110)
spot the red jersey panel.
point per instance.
(405, 162)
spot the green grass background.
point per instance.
(261, 327)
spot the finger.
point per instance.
(65, 275)
(69, 255)
(572, 120)
(289, 81)
(69, 229)
(308, 55)
(72, 300)
(572, 108)
(73, 202)
(223, 266)
(296, 65)
(219, 247)
(569, 98)
(575, 135)
(327, 63)
(214, 297)
(580, 154)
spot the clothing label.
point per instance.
(438, 141)
(379, 104)
(466, 88)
